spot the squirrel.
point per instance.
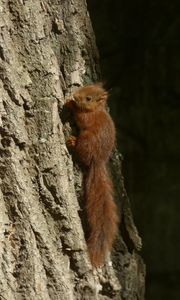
(93, 147)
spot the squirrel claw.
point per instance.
(71, 141)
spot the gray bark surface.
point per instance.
(47, 48)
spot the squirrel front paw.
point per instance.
(69, 103)
(71, 141)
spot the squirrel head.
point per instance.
(90, 97)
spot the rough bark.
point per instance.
(47, 48)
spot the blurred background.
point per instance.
(139, 45)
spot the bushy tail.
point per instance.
(101, 213)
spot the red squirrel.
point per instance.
(93, 147)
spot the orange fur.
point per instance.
(94, 146)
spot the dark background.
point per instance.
(139, 45)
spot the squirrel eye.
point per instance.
(88, 98)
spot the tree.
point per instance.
(47, 48)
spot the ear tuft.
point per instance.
(100, 84)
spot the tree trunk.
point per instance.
(47, 48)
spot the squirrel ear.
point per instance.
(103, 96)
